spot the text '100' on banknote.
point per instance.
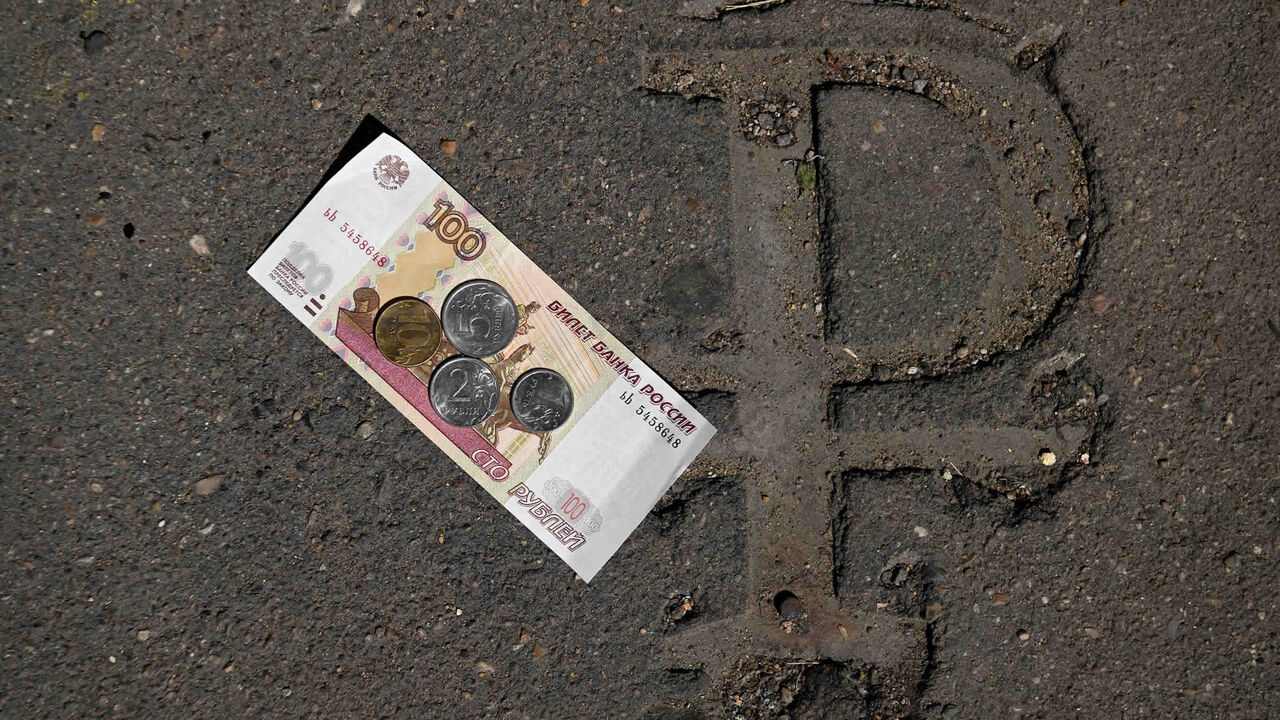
(431, 304)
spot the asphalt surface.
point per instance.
(1052, 468)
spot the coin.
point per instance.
(479, 318)
(541, 399)
(464, 391)
(407, 331)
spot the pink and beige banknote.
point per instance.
(386, 226)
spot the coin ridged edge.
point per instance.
(435, 315)
(444, 308)
(573, 399)
(441, 366)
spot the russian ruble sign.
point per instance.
(431, 304)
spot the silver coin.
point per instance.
(464, 391)
(541, 399)
(479, 318)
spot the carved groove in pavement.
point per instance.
(789, 375)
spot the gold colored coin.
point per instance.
(407, 331)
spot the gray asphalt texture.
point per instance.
(206, 514)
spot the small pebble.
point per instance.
(198, 243)
(525, 639)
(1099, 303)
(365, 430)
(209, 485)
(98, 131)
(144, 635)
(1023, 635)
(1232, 561)
(1047, 458)
(449, 147)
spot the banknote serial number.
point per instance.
(664, 430)
(356, 238)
